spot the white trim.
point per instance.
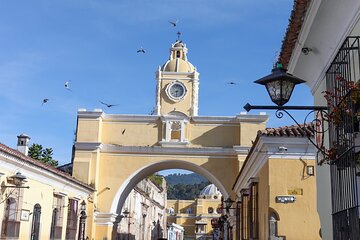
(304, 32)
(267, 148)
(88, 146)
(213, 151)
(104, 218)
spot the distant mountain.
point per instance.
(185, 186)
(191, 178)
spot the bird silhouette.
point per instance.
(108, 105)
(232, 83)
(141, 50)
(174, 23)
(67, 85)
(45, 100)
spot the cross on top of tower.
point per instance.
(179, 34)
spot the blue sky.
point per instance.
(93, 43)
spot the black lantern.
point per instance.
(279, 84)
(228, 203)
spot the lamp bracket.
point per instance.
(321, 116)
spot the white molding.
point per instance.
(172, 151)
(104, 218)
(174, 143)
(88, 146)
(267, 148)
(304, 32)
(83, 113)
(130, 118)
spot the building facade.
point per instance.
(144, 212)
(38, 201)
(321, 46)
(195, 215)
(277, 188)
(113, 152)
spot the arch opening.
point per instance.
(144, 172)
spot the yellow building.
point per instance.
(196, 215)
(276, 188)
(113, 152)
(38, 201)
(322, 47)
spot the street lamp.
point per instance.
(82, 220)
(17, 180)
(228, 203)
(280, 85)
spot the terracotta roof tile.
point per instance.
(289, 131)
(293, 30)
(22, 157)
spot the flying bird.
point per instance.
(232, 83)
(45, 100)
(141, 50)
(174, 23)
(67, 85)
(108, 105)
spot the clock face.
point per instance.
(176, 91)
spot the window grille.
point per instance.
(343, 97)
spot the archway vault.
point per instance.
(149, 169)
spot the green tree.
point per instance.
(37, 152)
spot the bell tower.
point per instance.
(177, 87)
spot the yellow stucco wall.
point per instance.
(287, 175)
(41, 191)
(200, 213)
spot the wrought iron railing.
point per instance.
(343, 95)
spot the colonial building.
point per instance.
(322, 47)
(38, 201)
(144, 212)
(113, 152)
(276, 188)
(195, 215)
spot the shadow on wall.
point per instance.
(125, 236)
(220, 136)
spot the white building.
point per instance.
(143, 215)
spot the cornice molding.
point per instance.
(267, 148)
(88, 146)
(104, 218)
(158, 150)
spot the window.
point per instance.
(57, 217)
(35, 228)
(11, 221)
(189, 210)
(176, 131)
(273, 226)
(244, 216)
(253, 210)
(71, 224)
(210, 210)
(177, 54)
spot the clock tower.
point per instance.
(177, 87)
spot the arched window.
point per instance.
(57, 217)
(177, 54)
(11, 222)
(35, 228)
(273, 228)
